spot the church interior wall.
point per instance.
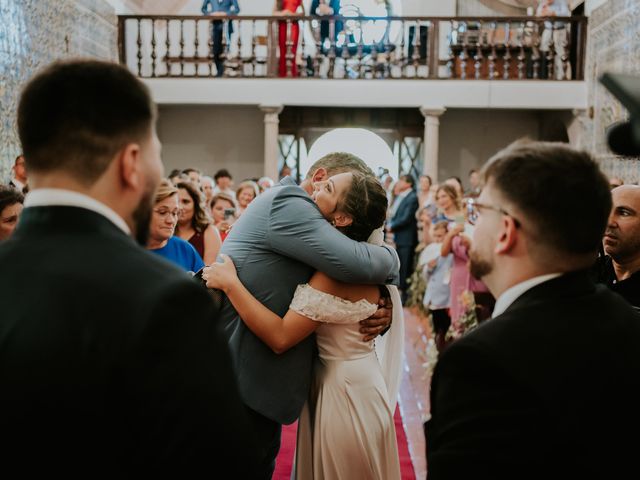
(33, 33)
(468, 138)
(213, 137)
(613, 46)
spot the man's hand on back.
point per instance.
(378, 322)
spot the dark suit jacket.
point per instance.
(404, 224)
(111, 361)
(24, 189)
(548, 389)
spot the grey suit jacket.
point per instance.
(277, 244)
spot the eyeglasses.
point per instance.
(163, 213)
(475, 209)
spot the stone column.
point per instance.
(430, 141)
(271, 122)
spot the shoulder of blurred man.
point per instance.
(604, 272)
(94, 252)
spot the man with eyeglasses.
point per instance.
(550, 386)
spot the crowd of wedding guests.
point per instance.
(112, 361)
(429, 224)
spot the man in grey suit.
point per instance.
(277, 244)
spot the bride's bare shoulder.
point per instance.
(324, 283)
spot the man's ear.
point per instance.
(320, 175)
(508, 235)
(129, 166)
(342, 220)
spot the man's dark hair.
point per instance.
(410, 180)
(176, 172)
(472, 171)
(75, 116)
(187, 171)
(9, 196)
(340, 162)
(15, 162)
(562, 192)
(223, 172)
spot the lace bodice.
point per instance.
(326, 308)
(339, 337)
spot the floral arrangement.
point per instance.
(468, 320)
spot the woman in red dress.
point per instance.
(288, 8)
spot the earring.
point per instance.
(333, 222)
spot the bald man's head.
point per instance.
(622, 237)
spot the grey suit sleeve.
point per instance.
(298, 230)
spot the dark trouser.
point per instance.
(405, 254)
(266, 434)
(484, 305)
(441, 323)
(218, 31)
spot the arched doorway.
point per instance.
(360, 142)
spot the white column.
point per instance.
(271, 122)
(430, 141)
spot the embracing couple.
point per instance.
(309, 259)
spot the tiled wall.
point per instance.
(34, 33)
(613, 45)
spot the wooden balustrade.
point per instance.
(467, 48)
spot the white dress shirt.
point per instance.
(396, 203)
(510, 295)
(18, 184)
(50, 197)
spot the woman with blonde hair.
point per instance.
(223, 211)
(246, 193)
(164, 219)
(449, 205)
(194, 224)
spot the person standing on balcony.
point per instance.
(326, 8)
(288, 8)
(220, 8)
(556, 32)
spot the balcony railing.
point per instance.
(508, 48)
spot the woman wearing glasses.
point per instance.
(164, 218)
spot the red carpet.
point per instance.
(284, 462)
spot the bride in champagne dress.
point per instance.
(346, 429)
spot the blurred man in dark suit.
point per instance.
(404, 226)
(19, 180)
(550, 386)
(111, 362)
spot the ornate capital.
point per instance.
(271, 109)
(432, 111)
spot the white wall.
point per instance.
(264, 7)
(232, 137)
(468, 138)
(428, 7)
(213, 137)
(591, 5)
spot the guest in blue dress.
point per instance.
(163, 223)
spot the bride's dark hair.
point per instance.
(366, 203)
